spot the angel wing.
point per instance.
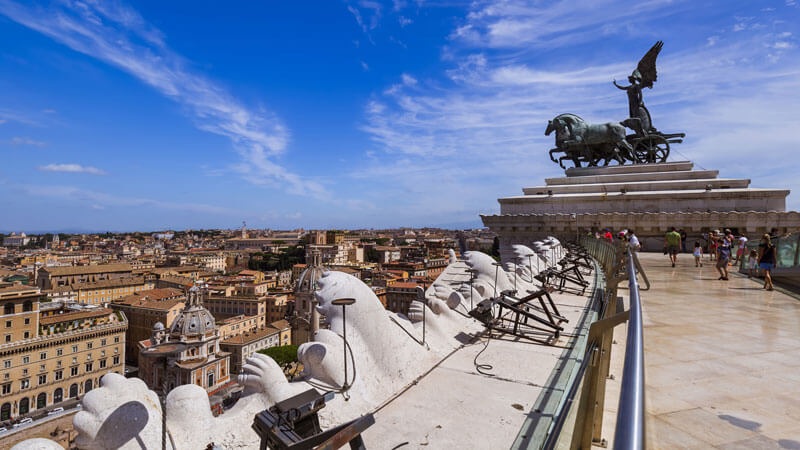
(647, 65)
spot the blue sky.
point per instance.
(151, 115)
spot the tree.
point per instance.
(372, 255)
(284, 355)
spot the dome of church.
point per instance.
(194, 319)
(307, 282)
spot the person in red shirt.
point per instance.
(607, 235)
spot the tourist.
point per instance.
(731, 241)
(766, 260)
(633, 241)
(712, 244)
(698, 254)
(672, 245)
(742, 247)
(723, 257)
(607, 235)
(683, 240)
(752, 264)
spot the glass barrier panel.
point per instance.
(787, 249)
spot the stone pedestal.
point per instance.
(648, 198)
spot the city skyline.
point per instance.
(361, 114)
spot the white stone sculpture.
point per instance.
(386, 352)
(487, 274)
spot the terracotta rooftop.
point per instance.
(76, 315)
(164, 298)
(83, 270)
(246, 338)
(280, 324)
(116, 282)
(403, 284)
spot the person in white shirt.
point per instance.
(740, 250)
(633, 241)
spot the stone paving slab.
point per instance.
(722, 360)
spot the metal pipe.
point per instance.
(629, 432)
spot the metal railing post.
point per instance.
(630, 433)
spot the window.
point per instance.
(88, 367)
(24, 372)
(58, 374)
(88, 356)
(102, 353)
(27, 321)
(42, 379)
(27, 306)
(43, 355)
(25, 384)
(73, 371)
(8, 338)
(116, 339)
(8, 324)
(26, 335)
(59, 352)
(7, 364)
(26, 359)
(102, 363)
(8, 309)
(89, 345)
(103, 342)
(42, 368)
(74, 349)
(58, 363)
(6, 388)
(116, 360)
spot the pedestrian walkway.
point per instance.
(722, 359)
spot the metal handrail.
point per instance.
(629, 432)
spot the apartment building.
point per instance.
(143, 309)
(241, 346)
(224, 306)
(105, 291)
(50, 277)
(47, 359)
(399, 296)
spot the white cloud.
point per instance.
(408, 80)
(522, 24)
(101, 200)
(72, 168)
(367, 14)
(479, 134)
(364, 66)
(119, 36)
(26, 141)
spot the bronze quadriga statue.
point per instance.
(590, 144)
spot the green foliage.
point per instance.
(284, 355)
(267, 261)
(378, 241)
(372, 255)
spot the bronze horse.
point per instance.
(590, 143)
